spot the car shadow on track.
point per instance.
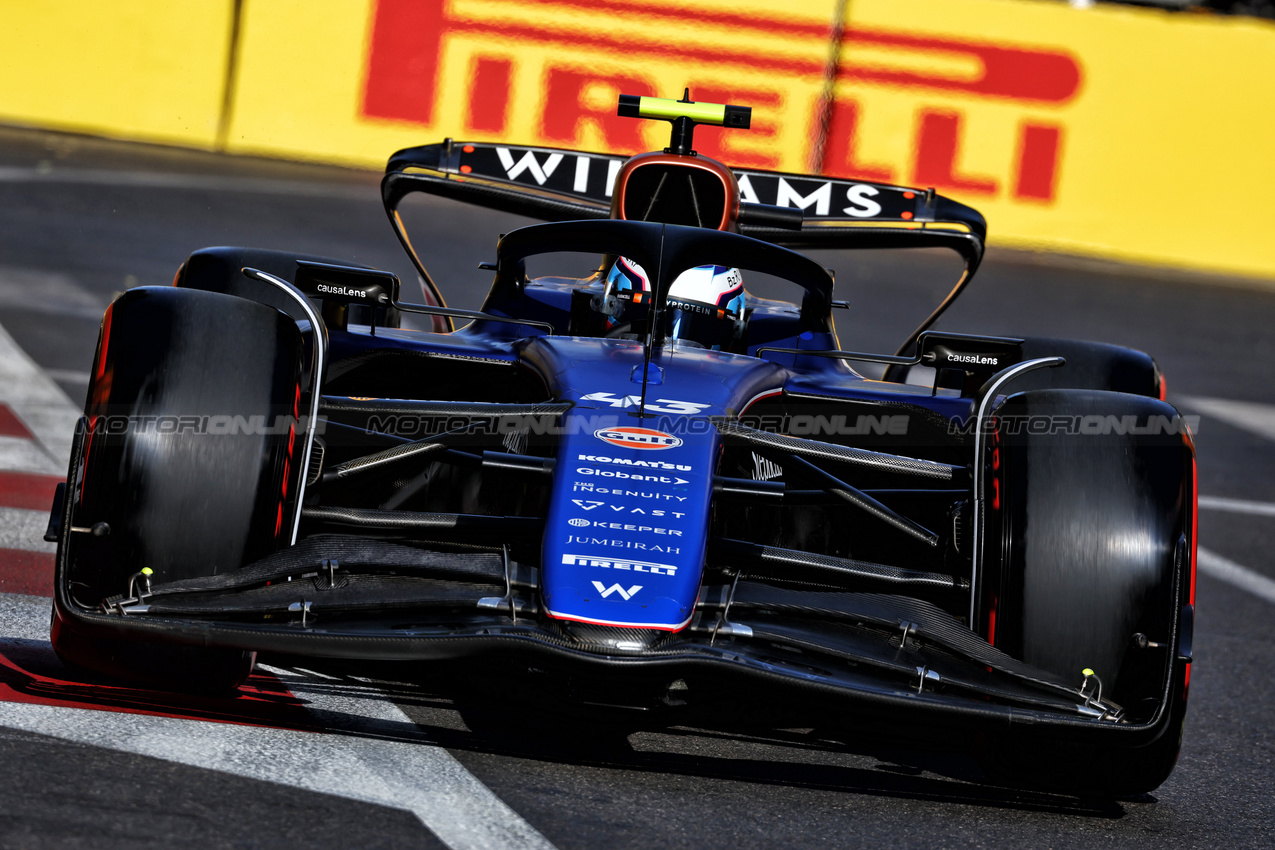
(475, 717)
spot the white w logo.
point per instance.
(626, 595)
(528, 163)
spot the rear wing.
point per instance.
(554, 184)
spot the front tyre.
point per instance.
(191, 460)
(1088, 511)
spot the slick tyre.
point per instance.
(1091, 366)
(1087, 568)
(191, 460)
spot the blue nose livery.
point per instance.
(629, 515)
(621, 517)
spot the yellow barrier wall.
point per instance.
(1112, 131)
(1164, 150)
(142, 69)
(325, 81)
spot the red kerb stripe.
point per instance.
(29, 573)
(11, 425)
(27, 490)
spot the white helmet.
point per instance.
(705, 304)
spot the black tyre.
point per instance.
(1091, 366)
(1086, 566)
(192, 461)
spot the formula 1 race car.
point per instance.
(645, 486)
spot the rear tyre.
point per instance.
(192, 461)
(1091, 366)
(1088, 525)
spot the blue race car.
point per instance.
(643, 488)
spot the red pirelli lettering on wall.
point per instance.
(489, 103)
(409, 39)
(937, 146)
(567, 109)
(402, 61)
(1013, 73)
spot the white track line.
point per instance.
(1237, 506)
(18, 454)
(24, 529)
(70, 376)
(424, 779)
(48, 292)
(371, 763)
(374, 753)
(1250, 416)
(39, 402)
(201, 182)
(1224, 569)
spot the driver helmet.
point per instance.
(705, 304)
(627, 285)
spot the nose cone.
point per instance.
(627, 528)
(628, 518)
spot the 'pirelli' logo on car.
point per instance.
(619, 564)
